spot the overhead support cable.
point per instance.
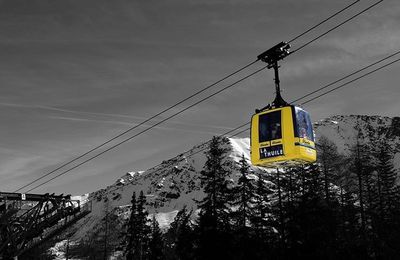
(147, 129)
(323, 21)
(337, 26)
(183, 100)
(345, 77)
(138, 125)
(351, 81)
(325, 93)
(330, 84)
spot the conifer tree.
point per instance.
(329, 159)
(243, 205)
(261, 214)
(144, 228)
(181, 237)
(348, 228)
(138, 229)
(387, 176)
(214, 221)
(132, 226)
(110, 230)
(347, 213)
(262, 219)
(156, 243)
(243, 200)
(280, 209)
(310, 219)
(359, 167)
(387, 221)
(106, 228)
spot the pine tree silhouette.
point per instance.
(214, 217)
(138, 230)
(387, 223)
(243, 198)
(132, 226)
(262, 210)
(156, 243)
(181, 236)
(243, 201)
(329, 160)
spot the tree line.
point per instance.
(342, 207)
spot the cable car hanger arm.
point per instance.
(271, 57)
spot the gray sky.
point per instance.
(75, 73)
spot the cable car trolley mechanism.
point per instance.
(281, 133)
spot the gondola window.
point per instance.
(270, 127)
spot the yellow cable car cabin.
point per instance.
(282, 136)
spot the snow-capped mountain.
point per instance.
(343, 130)
(175, 183)
(168, 187)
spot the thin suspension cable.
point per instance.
(140, 124)
(351, 81)
(173, 106)
(347, 83)
(238, 133)
(147, 129)
(293, 39)
(336, 81)
(226, 133)
(231, 85)
(198, 151)
(324, 21)
(325, 93)
(202, 90)
(345, 77)
(337, 26)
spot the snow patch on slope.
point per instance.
(240, 146)
(175, 183)
(165, 219)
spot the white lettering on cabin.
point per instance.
(271, 152)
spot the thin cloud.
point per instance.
(103, 114)
(368, 43)
(130, 124)
(347, 52)
(20, 166)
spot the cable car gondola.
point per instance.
(281, 133)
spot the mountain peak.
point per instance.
(175, 183)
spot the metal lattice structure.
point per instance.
(26, 220)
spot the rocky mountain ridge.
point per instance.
(175, 183)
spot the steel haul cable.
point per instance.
(140, 124)
(62, 173)
(332, 83)
(337, 26)
(324, 87)
(323, 21)
(340, 86)
(180, 102)
(149, 128)
(351, 81)
(312, 99)
(345, 77)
